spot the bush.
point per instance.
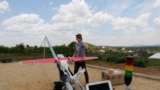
(111, 58)
(102, 57)
(114, 59)
(154, 62)
(141, 63)
(121, 59)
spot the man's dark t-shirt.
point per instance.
(80, 50)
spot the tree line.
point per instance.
(21, 51)
(110, 54)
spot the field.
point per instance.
(15, 76)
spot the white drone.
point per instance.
(68, 81)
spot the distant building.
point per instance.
(155, 56)
(103, 51)
(123, 49)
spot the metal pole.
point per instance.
(52, 51)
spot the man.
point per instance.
(80, 51)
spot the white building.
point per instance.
(155, 56)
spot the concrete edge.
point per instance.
(134, 74)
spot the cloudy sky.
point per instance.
(102, 22)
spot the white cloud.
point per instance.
(77, 17)
(31, 29)
(122, 23)
(135, 30)
(98, 19)
(156, 4)
(25, 23)
(75, 14)
(130, 24)
(142, 20)
(4, 6)
(69, 17)
(157, 20)
(119, 23)
(23, 28)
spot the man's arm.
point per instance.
(85, 45)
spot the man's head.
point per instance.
(79, 37)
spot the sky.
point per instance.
(101, 22)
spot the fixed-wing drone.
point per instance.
(67, 79)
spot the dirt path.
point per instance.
(15, 76)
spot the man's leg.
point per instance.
(83, 64)
(76, 67)
(86, 76)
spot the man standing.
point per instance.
(80, 51)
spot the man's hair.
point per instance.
(79, 36)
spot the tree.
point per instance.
(72, 44)
(20, 47)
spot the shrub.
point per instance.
(102, 57)
(121, 59)
(115, 59)
(111, 58)
(141, 62)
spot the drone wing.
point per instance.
(83, 58)
(39, 61)
(53, 60)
